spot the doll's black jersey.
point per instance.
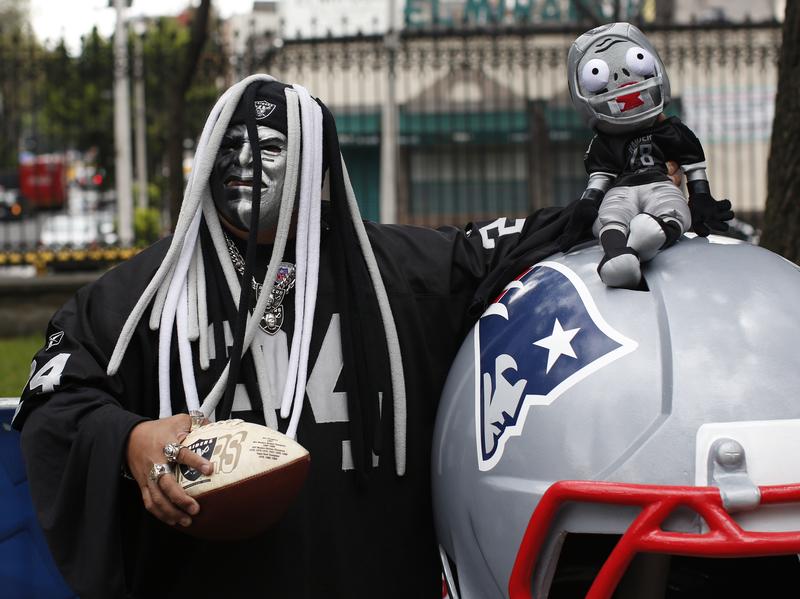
(349, 535)
(640, 157)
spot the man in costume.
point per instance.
(341, 339)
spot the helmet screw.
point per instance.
(729, 453)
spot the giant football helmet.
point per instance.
(616, 79)
(608, 442)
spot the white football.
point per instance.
(257, 474)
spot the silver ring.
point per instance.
(157, 471)
(171, 451)
(197, 418)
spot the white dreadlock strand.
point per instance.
(208, 144)
(202, 311)
(284, 223)
(161, 297)
(310, 207)
(193, 324)
(177, 287)
(185, 352)
(301, 249)
(389, 327)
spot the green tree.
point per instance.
(782, 213)
(15, 69)
(166, 43)
(75, 108)
(52, 101)
(181, 84)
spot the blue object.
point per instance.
(27, 570)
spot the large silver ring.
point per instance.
(158, 470)
(197, 418)
(171, 451)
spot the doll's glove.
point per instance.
(580, 222)
(707, 213)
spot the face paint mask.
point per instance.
(232, 176)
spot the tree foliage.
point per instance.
(782, 214)
(17, 52)
(165, 48)
(75, 107)
(54, 101)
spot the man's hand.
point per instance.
(164, 498)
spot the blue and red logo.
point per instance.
(539, 338)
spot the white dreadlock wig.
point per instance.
(177, 292)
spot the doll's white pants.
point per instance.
(661, 199)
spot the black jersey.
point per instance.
(640, 157)
(348, 535)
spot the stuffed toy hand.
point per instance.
(579, 225)
(707, 213)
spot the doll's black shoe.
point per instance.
(650, 234)
(620, 268)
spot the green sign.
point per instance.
(427, 13)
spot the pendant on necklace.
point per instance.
(272, 320)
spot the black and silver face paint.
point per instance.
(232, 176)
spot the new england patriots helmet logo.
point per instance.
(559, 338)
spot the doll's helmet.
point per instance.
(599, 438)
(616, 79)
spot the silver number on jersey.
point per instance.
(502, 227)
(50, 374)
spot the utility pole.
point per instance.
(389, 128)
(122, 129)
(140, 121)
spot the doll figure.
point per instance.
(618, 84)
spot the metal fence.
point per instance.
(484, 122)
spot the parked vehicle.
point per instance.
(42, 180)
(78, 231)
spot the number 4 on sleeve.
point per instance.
(49, 376)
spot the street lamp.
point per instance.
(122, 131)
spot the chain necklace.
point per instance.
(272, 320)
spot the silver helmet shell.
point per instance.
(607, 60)
(565, 379)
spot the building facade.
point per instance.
(483, 121)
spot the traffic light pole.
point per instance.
(122, 129)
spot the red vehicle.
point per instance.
(42, 181)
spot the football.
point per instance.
(257, 474)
